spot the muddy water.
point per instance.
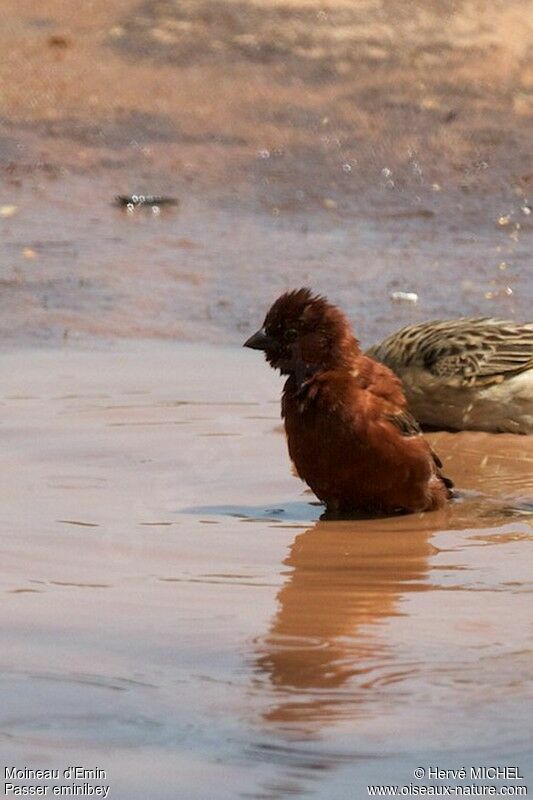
(175, 612)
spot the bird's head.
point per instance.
(303, 333)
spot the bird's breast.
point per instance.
(320, 427)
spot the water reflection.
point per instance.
(325, 644)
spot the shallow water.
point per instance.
(175, 612)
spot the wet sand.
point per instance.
(175, 612)
(360, 148)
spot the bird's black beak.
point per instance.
(259, 341)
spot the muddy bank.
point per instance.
(357, 148)
(428, 90)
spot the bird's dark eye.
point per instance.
(290, 334)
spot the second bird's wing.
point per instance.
(471, 351)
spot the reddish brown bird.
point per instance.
(349, 433)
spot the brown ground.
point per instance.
(360, 147)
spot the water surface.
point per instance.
(175, 612)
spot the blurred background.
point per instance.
(363, 147)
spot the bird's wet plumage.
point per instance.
(349, 432)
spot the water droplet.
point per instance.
(263, 154)
(526, 210)
(156, 210)
(504, 220)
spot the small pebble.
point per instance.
(404, 297)
(8, 211)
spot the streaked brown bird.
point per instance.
(474, 373)
(349, 433)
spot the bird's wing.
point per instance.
(473, 351)
(405, 423)
(408, 426)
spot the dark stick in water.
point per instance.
(145, 200)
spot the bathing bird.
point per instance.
(349, 433)
(474, 373)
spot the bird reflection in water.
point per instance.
(324, 651)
